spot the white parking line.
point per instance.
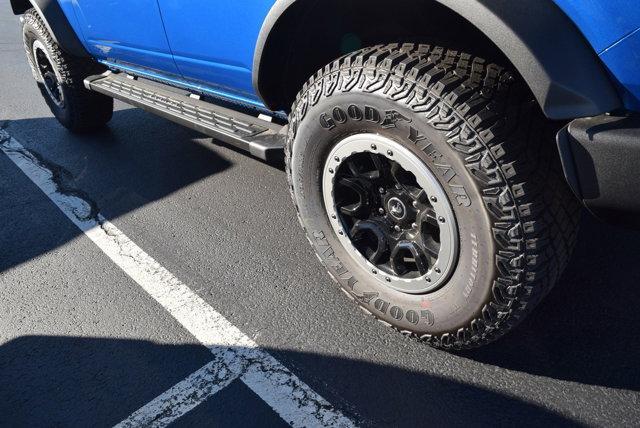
(182, 398)
(233, 351)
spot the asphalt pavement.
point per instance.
(84, 343)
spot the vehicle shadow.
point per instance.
(586, 329)
(138, 159)
(83, 381)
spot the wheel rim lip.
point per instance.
(449, 245)
(39, 47)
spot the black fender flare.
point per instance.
(56, 21)
(562, 70)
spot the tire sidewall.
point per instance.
(462, 298)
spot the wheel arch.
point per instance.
(535, 36)
(57, 23)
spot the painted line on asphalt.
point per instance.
(182, 397)
(295, 402)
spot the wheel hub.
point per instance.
(388, 208)
(397, 209)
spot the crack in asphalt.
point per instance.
(243, 359)
(82, 206)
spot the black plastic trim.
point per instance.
(56, 22)
(601, 161)
(264, 140)
(543, 44)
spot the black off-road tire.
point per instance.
(479, 130)
(81, 110)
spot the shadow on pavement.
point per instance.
(586, 329)
(74, 381)
(137, 160)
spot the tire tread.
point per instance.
(501, 134)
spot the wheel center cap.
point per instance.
(396, 208)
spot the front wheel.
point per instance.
(429, 186)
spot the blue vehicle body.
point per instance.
(424, 141)
(209, 45)
(148, 37)
(580, 59)
(612, 27)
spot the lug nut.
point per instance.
(337, 159)
(374, 147)
(428, 279)
(434, 199)
(441, 219)
(388, 279)
(330, 170)
(381, 211)
(389, 152)
(341, 232)
(438, 270)
(333, 216)
(375, 272)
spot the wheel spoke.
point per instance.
(408, 256)
(430, 250)
(370, 238)
(379, 168)
(353, 168)
(420, 196)
(429, 215)
(396, 170)
(361, 204)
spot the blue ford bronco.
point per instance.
(438, 152)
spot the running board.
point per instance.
(261, 138)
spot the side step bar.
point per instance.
(262, 139)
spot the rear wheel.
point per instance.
(60, 79)
(429, 185)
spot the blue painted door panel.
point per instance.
(213, 41)
(603, 22)
(612, 27)
(125, 31)
(623, 60)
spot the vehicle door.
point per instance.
(213, 41)
(126, 32)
